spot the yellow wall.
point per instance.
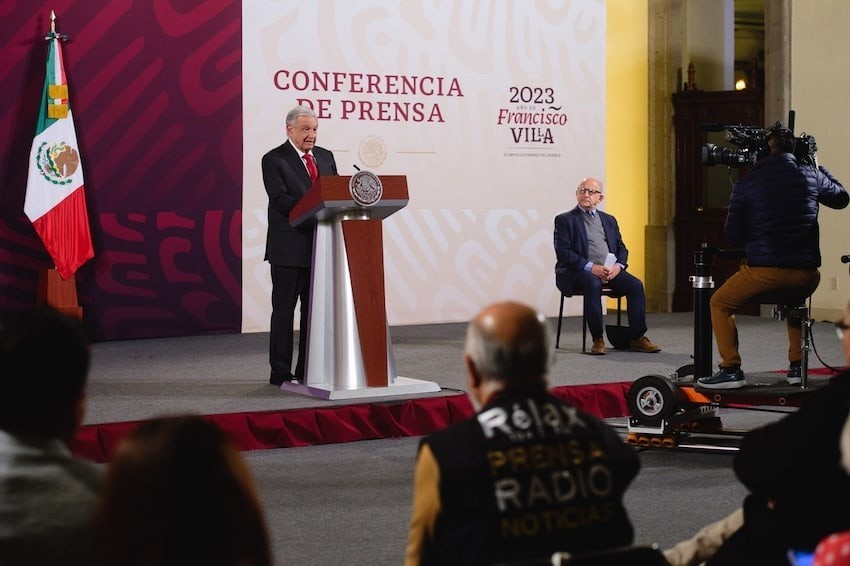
(627, 103)
(819, 89)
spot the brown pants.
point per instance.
(743, 286)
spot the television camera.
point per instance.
(751, 142)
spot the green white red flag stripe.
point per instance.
(55, 201)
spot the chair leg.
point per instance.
(619, 311)
(560, 317)
(583, 332)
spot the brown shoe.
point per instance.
(598, 348)
(643, 344)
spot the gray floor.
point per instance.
(138, 379)
(350, 502)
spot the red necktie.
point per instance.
(311, 167)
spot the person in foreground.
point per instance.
(834, 550)
(289, 170)
(591, 255)
(799, 489)
(773, 213)
(177, 492)
(47, 497)
(528, 475)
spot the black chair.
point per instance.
(606, 292)
(627, 556)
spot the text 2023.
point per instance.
(532, 95)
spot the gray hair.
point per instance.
(520, 360)
(293, 115)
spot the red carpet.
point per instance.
(825, 371)
(348, 423)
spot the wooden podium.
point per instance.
(349, 353)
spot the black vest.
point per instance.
(528, 476)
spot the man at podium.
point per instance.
(289, 170)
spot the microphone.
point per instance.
(845, 258)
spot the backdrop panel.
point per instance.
(493, 109)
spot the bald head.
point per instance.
(511, 343)
(589, 193)
(591, 183)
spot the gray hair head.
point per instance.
(293, 115)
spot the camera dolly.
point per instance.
(665, 411)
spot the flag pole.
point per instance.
(52, 289)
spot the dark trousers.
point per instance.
(625, 284)
(289, 284)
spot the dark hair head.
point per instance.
(177, 492)
(44, 361)
(780, 139)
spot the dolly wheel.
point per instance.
(652, 399)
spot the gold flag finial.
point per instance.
(53, 35)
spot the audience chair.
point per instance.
(626, 556)
(606, 292)
(792, 303)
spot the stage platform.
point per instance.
(226, 378)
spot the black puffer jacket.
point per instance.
(773, 212)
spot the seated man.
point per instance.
(591, 254)
(47, 497)
(528, 475)
(773, 213)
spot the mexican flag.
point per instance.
(55, 201)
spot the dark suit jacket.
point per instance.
(286, 181)
(571, 245)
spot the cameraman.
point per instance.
(773, 214)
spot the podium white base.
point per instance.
(401, 386)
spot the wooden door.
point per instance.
(702, 192)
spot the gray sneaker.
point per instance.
(723, 379)
(795, 374)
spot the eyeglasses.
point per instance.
(586, 191)
(840, 329)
